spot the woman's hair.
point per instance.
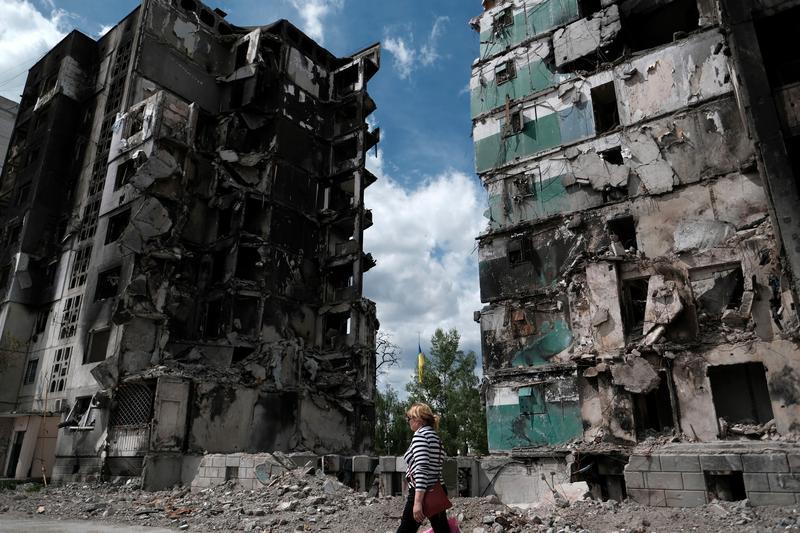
(423, 412)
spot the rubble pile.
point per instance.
(307, 500)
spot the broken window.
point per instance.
(652, 411)
(519, 249)
(256, 216)
(505, 71)
(740, 393)
(776, 36)
(249, 264)
(189, 5)
(345, 150)
(80, 267)
(30, 371)
(41, 321)
(726, 486)
(116, 225)
(604, 105)
(125, 172)
(503, 19)
(108, 283)
(531, 400)
(245, 315)
(715, 292)
(345, 80)
(58, 374)
(69, 318)
(524, 186)
(650, 24)
(224, 222)
(214, 326)
(241, 54)
(98, 346)
(80, 416)
(521, 325)
(240, 353)
(623, 229)
(514, 122)
(612, 156)
(337, 327)
(219, 266)
(634, 302)
(5, 275)
(135, 121)
(207, 18)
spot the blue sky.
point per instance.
(427, 205)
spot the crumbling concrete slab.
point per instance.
(586, 36)
(635, 375)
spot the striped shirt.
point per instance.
(424, 459)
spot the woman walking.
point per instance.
(424, 460)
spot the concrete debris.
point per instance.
(635, 375)
(663, 303)
(702, 234)
(598, 172)
(586, 36)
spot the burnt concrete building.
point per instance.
(640, 268)
(8, 114)
(182, 259)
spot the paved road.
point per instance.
(40, 525)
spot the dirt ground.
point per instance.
(311, 502)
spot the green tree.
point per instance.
(449, 385)
(392, 433)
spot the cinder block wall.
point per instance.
(680, 480)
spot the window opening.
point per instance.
(519, 249)
(240, 353)
(652, 411)
(256, 217)
(108, 283)
(345, 150)
(604, 105)
(207, 18)
(647, 26)
(116, 226)
(60, 369)
(249, 264)
(81, 416)
(136, 121)
(41, 321)
(69, 318)
(98, 346)
(604, 474)
(624, 229)
(740, 393)
(125, 172)
(241, 54)
(80, 267)
(245, 315)
(503, 19)
(23, 194)
(721, 291)
(775, 39)
(189, 5)
(505, 71)
(634, 301)
(30, 371)
(214, 326)
(514, 122)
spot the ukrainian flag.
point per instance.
(420, 363)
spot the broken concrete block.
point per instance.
(647, 161)
(637, 376)
(600, 173)
(586, 36)
(663, 303)
(702, 234)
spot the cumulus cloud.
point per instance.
(104, 29)
(407, 57)
(313, 13)
(25, 35)
(426, 276)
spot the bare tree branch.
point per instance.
(387, 353)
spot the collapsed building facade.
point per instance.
(640, 267)
(183, 212)
(8, 114)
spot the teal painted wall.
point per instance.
(550, 198)
(531, 78)
(552, 338)
(533, 421)
(540, 18)
(564, 126)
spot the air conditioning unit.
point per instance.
(59, 406)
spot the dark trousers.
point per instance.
(409, 525)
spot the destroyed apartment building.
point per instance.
(182, 254)
(640, 268)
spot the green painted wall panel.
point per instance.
(537, 135)
(532, 78)
(530, 22)
(552, 338)
(508, 427)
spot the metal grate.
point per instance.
(80, 267)
(134, 405)
(58, 376)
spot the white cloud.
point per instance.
(406, 57)
(25, 35)
(313, 12)
(426, 275)
(104, 29)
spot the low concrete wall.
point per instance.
(680, 477)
